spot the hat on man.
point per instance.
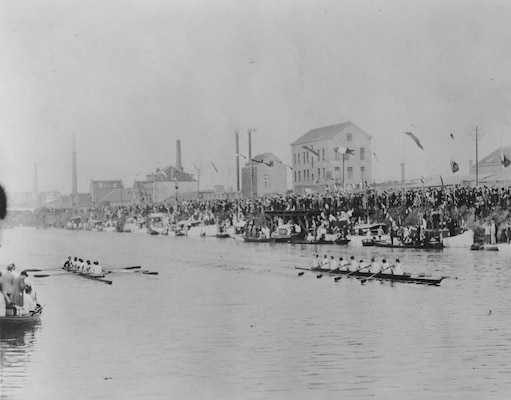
(24, 273)
(11, 266)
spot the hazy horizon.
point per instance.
(130, 78)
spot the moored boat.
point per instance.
(434, 245)
(14, 321)
(251, 239)
(423, 280)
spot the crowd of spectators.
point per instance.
(433, 203)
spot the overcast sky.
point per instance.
(128, 78)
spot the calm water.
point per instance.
(231, 320)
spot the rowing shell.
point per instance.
(99, 278)
(389, 277)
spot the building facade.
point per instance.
(100, 189)
(332, 157)
(269, 176)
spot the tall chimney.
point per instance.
(178, 155)
(74, 178)
(237, 161)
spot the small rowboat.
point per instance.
(99, 278)
(426, 245)
(251, 239)
(423, 280)
(14, 321)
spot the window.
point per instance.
(337, 168)
(349, 137)
(307, 175)
(324, 174)
(294, 160)
(362, 174)
(350, 172)
(295, 177)
(362, 153)
(304, 154)
(266, 181)
(323, 154)
(299, 180)
(312, 178)
(319, 174)
(337, 154)
(312, 162)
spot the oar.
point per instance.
(337, 278)
(46, 275)
(373, 275)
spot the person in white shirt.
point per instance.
(28, 301)
(315, 262)
(397, 269)
(385, 268)
(353, 265)
(375, 267)
(96, 269)
(344, 264)
(324, 262)
(363, 266)
(333, 264)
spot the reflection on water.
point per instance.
(16, 347)
(227, 319)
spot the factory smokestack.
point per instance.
(74, 177)
(237, 161)
(178, 155)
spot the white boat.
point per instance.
(464, 240)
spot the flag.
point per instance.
(441, 180)
(376, 158)
(241, 155)
(452, 136)
(214, 166)
(344, 150)
(316, 153)
(415, 139)
(504, 160)
(454, 167)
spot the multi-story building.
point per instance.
(336, 156)
(269, 176)
(98, 190)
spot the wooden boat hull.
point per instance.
(388, 277)
(321, 241)
(99, 278)
(428, 246)
(223, 235)
(258, 240)
(15, 321)
(367, 242)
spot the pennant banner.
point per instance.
(214, 166)
(504, 160)
(452, 136)
(415, 139)
(454, 167)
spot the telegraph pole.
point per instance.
(237, 161)
(250, 163)
(477, 136)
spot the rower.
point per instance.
(333, 264)
(363, 266)
(344, 264)
(96, 269)
(88, 267)
(385, 268)
(67, 264)
(397, 269)
(353, 265)
(324, 262)
(375, 267)
(315, 262)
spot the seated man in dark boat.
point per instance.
(315, 262)
(353, 264)
(28, 301)
(375, 267)
(324, 262)
(68, 263)
(397, 269)
(363, 266)
(333, 264)
(343, 264)
(385, 267)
